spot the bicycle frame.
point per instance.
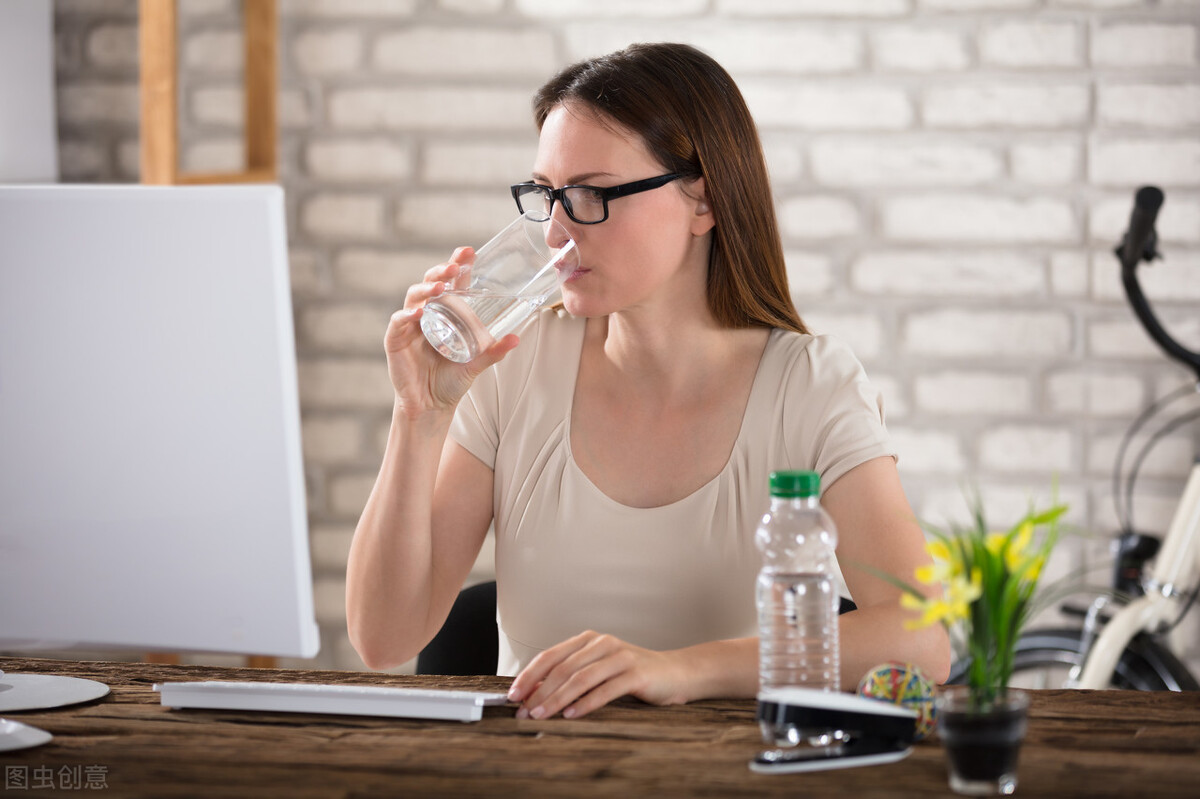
(1175, 568)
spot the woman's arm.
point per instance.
(431, 505)
(877, 528)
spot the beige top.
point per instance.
(569, 558)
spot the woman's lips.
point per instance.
(575, 275)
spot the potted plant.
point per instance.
(988, 581)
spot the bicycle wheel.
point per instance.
(1044, 659)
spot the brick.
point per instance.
(483, 163)
(1123, 338)
(384, 273)
(373, 160)
(817, 8)
(973, 393)
(86, 103)
(1047, 163)
(943, 217)
(1094, 393)
(81, 160)
(620, 9)
(1006, 106)
(970, 333)
(818, 217)
(331, 440)
(809, 107)
(1031, 44)
(457, 219)
(809, 274)
(329, 600)
(1178, 221)
(307, 275)
(201, 8)
(785, 162)
(1171, 456)
(347, 8)
(842, 161)
(430, 50)
(431, 108)
(213, 52)
(113, 46)
(353, 216)
(927, 451)
(1144, 45)
(908, 49)
(1136, 162)
(328, 52)
(344, 327)
(344, 383)
(895, 401)
(938, 273)
(472, 6)
(747, 47)
(1094, 3)
(863, 332)
(220, 105)
(348, 494)
(1026, 448)
(1003, 503)
(1174, 280)
(330, 546)
(224, 154)
(974, 5)
(1069, 274)
(1149, 105)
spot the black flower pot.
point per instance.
(982, 742)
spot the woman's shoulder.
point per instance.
(811, 355)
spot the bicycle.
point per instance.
(1120, 642)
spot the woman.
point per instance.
(623, 450)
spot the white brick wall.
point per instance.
(950, 177)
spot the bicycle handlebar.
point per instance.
(1140, 243)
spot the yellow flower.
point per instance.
(953, 606)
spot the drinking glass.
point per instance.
(513, 275)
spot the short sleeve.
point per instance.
(486, 411)
(833, 415)
(476, 425)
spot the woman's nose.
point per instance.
(556, 230)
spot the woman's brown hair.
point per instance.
(692, 116)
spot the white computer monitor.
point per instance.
(152, 492)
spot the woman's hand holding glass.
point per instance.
(423, 380)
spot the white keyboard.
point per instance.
(353, 700)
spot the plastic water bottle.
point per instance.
(796, 592)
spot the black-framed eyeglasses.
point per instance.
(587, 205)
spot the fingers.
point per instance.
(403, 329)
(576, 677)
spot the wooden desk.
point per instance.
(1080, 743)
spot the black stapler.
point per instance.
(818, 730)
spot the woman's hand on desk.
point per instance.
(590, 670)
(422, 379)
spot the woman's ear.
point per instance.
(704, 220)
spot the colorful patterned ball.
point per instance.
(903, 684)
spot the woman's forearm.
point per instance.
(867, 638)
(390, 569)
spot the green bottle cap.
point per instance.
(795, 484)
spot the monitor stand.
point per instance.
(39, 692)
(45, 691)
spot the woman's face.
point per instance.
(652, 245)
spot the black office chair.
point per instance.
(469, 642)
